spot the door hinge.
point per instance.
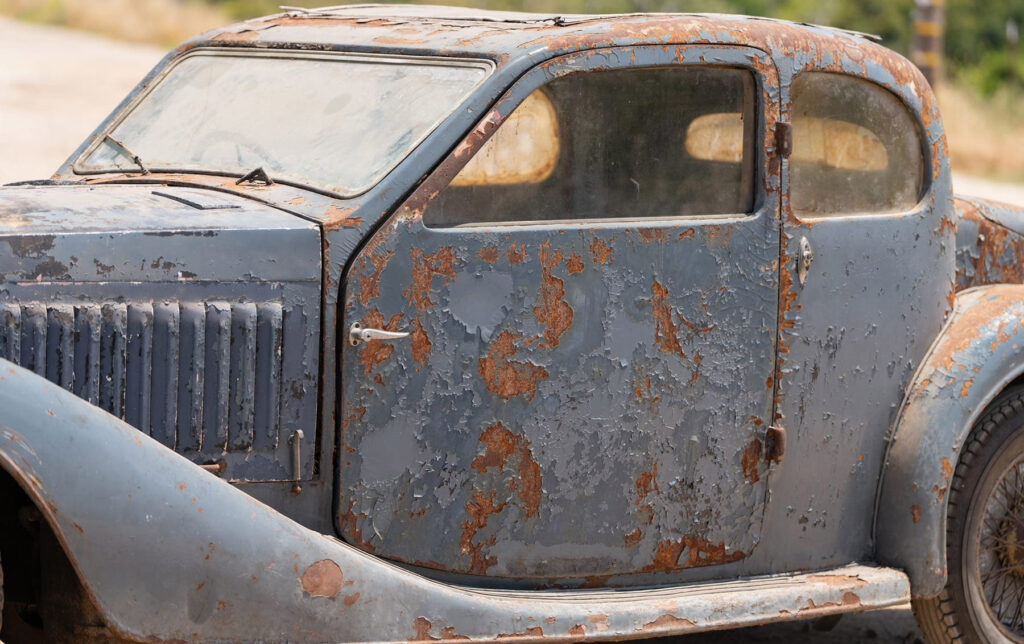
(783, 139)
(775, 440)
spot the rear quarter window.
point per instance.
(856, 148)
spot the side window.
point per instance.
(652, 142)
(856, 148)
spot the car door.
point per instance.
(589, 285)
(870, 285)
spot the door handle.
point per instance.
(804, 260)
(357, 334)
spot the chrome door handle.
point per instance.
(804, 260)
(357, 334)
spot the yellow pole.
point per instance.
(928, 32)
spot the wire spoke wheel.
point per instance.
(1000, 551)
(983, 600)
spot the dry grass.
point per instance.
(163, 22)
(986, 137)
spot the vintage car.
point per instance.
(386, 323)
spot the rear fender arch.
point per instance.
(978, 353)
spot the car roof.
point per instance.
(504, 36)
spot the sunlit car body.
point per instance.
(571, 327)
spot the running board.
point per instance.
(694, 608)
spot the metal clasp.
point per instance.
(296, 442)
(357, 334)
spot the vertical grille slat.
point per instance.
(218, 358)
(88, 326)
(191, 378)
(164, 398)
(269, 353)
(33, 338)
(138, 392)
(113, 354)
(243, 365)
(60, 337)
(206, 378)
(10, 331)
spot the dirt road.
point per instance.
(57, 85)
(55, 88)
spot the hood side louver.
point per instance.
(205, 378)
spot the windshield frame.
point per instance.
(485, 64)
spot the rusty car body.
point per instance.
(389, 386)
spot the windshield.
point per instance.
(331, 121)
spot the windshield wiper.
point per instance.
(134, 157)
(257, 176)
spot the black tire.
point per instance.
(983, 600)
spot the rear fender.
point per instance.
(977, 354)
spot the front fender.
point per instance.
(167, 551)
(976, 355)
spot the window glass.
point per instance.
(337, 122)
(856, 148)
(614, 144)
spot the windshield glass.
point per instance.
(335, 122)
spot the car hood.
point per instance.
(105, 233)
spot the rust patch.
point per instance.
(241, 37)
(633, 537)
(424, 269)
(699, 552)
(648, 235)
(480, 508)
(665, 331)
(322, 579)
(375, 352)
(421, 629)
(508, 378)
(516, 255)
(391, 40)
(297, 201)
(419, 343)
(686, 233)
(749, 460)
(839, 581)
(915, 513)
(336, 218)
(499, 445)
(595, 581)
(848, 599)
(574, 264)
(448, 633)
(489, 254)
(578, 629)
(369, 280)
(350, 599)
(947, 468)
(552, 312)
(350, 526)
(667, 622)
(646, 483)
(535, 631)
(600, 251)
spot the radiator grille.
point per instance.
(203, 378)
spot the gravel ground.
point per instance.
(57, 85)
